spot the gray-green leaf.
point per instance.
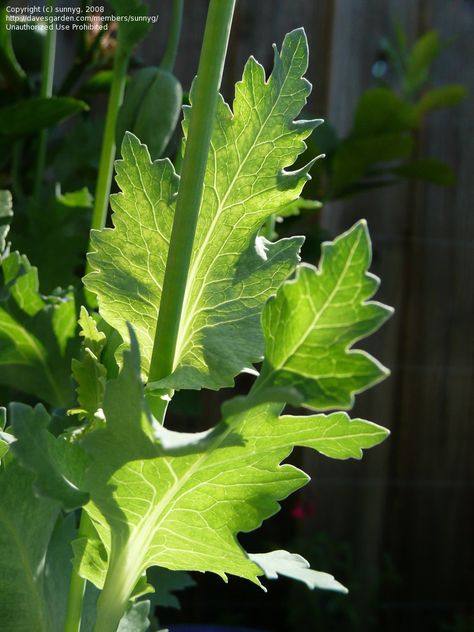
(59, 466)
(31, 557)
(294, 566)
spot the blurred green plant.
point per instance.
(381, 148)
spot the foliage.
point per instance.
(154, 502)
(379, 149)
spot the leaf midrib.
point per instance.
(183, 337)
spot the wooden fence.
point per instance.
(411, 499)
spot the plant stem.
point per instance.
(77, 587)
(46, 91)
(169, 57)
(8, 62)
(114, 598)
(107, 155)
(211, 64)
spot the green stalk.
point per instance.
(46, 91)
(211, 64)
(77, 587)
(8, 62)
(120, 581)
(107, 156)
(169, 57)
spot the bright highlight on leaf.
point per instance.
(294, 566)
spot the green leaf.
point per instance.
(3, 446)
(443, 97)
(312, 323)
(99, 82)
(89, 373)
(5, 437)
(381, 111)
(34, 556)
(151, 109)
(36, 334)
(90, 561)
(301, 204)
(422, 55)
(75, 199)
(428, 169)
(29, 116)
(233, 271)
(90, 558)
(356, 156)
(59, 466)
(182, 507)
(6, 213)
(57, 223)
(136, 618)
(294, 566)
(58, 567)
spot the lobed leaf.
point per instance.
(233, 270)
(312, 323)
(182, 507)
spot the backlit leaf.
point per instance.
(181, 508)
(233, 271)
(312, 323)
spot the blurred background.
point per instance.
(393, 80)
